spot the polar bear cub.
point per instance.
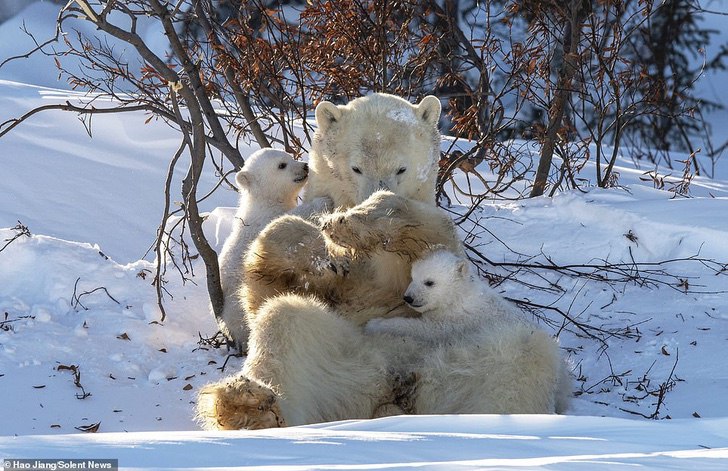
(453, 301)
(468, 323)
(269, 185)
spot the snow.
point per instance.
(403, 116)
(420, 442)
(78, 298)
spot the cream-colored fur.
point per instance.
(375, 142)
(309, 289)
(358, 263)
(517, 371)
(269, 185)
(453, 302)
(468, 323)
(306, 364)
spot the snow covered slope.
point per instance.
(82, 345)
(418, 442)
(72, 309)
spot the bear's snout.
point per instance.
(408, 299)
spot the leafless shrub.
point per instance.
(563, 73)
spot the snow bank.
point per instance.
(418, 442)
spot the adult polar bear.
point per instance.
(309, 360)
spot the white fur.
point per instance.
(375, 142)
(453, 302)
(476, 334)
(475, 356)
(320, 378)
(308, 362)
(266, 192)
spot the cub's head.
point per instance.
(272, 175)
(378, 142)
(436, 280)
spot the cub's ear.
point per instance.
(462, 268)
(327, 114)
(428, 110)
(243, 179)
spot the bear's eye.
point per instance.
(356, 170)
(282, 165)
(429, 283)
(401, 171)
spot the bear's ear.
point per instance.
(462, 268)
(243, 179)
(428, 110)
(327, 114)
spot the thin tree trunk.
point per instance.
(563, 90)
(240, 96)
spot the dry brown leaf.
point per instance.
(90, 428)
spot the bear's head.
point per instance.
(436, 279)
(375, 142)
(272, 175)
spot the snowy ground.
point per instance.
(75, 299)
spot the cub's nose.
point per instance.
(408, 299)
(305, 167)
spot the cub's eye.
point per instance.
(356, 170)
(429, 283)
(401, 171)
(282, 165)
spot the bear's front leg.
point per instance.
(238, 403)
(392, 223)
(364, 227)
(311, 210)
(289, 255)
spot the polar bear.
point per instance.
(308, 291)
(269, 185)
(309, 288)
(471, 324)
(379, 141)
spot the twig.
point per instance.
(76, 298)
(20, 231)
(76, 379)
(665, 387)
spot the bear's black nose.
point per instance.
(408, 299)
